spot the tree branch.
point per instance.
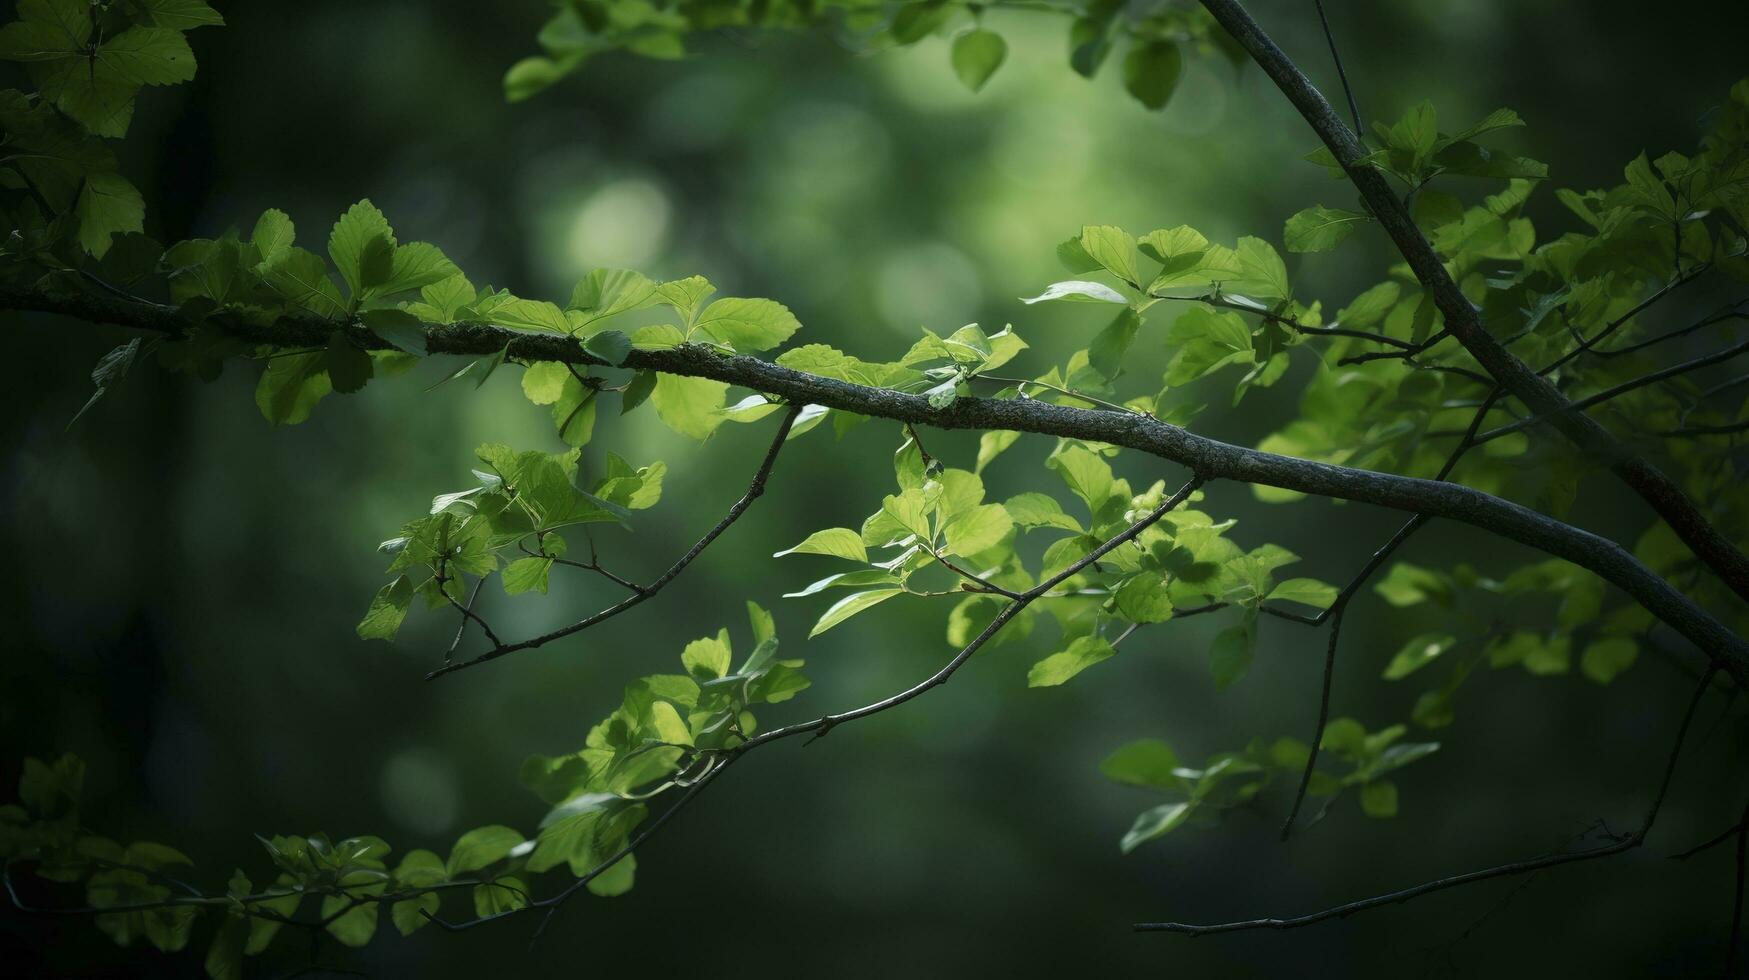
(820, 726)
(1210, 457)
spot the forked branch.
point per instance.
(641, 593)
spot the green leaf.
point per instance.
(1106, 353)
(481, 847)
(532, 75)
(544, 381)
(608, 292)
(410, 914)
(273, 236)
(1146, 762)
(224, 958)
(111, 368)
(1605, 658)
(1261, 271)
(527, 574)
(181, 15)
(361, 230)
(977, 529)
(689, 406)
(500, 895)
(1320, 229)
(709, 658)
(976, 56)
(1039, 510)
(685, 295)
(748, 324)
(1230, 656)
(1114, 249)
(1306, 591)
(909, 511)
(849, 606)
(291, 386)
(94, 83)
(300, 277)
(1088, 476)
(1498, 119)
(383, 619)
(415, 266)
(840, 542)
(916, 21)
(611, 346)
(1144, 599)
(348, 367)
(616, 880)
(1418, 653)
(1206, 340)
(353, 928)
(108, 206)
(1151, 71)
(1378, 799)
(1408, 585)
(1082, 653)
(1156, 823)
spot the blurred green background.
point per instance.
(183, 582)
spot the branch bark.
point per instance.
(1463, 319)
(1209, 457)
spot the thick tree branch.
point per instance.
(1463, 319)
(1210, 457)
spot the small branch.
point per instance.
(462, 627)
(820, 726)
(1705, 430)
(754, 490)
(1213, 299)
(1061, 390)
(1732, 313)
(1589, 345)
(1626, 843)
(1336, 56)
(1405, 355)
(1617, 391)
(1339, 607)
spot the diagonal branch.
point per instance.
(1463, 318)
(1339, 608)
(754, 490)
(820, 726)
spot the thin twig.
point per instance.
(820, 726)
(1339, 607)
(1626, 843)
(462, 627)
(1336, 56)
(754, 490)
(1617, 391)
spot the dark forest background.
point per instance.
(180, 582)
